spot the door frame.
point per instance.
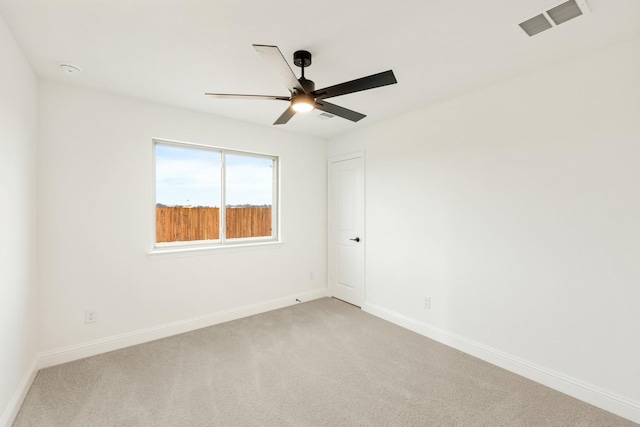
(330, 239)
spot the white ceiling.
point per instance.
(172, 51)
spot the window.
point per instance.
(208, 196)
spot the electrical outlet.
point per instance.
(426, 303)
(311, 275)
(90, 315)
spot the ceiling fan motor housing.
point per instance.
(307, 85)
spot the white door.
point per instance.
(346, 228)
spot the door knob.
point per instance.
(357, 239)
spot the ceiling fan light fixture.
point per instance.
(302, 103)
(304, 97)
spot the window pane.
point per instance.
(187, 194)
(249, 196)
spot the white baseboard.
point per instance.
(103, 345)
(593, 395)
(11, 411)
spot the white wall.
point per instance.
(95, 203)
(18, 139)
(517, 209)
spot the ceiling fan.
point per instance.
(303, 95)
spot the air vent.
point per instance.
(554, 16)
(535, 25)
(564, 12)
(325, 116)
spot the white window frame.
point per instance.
(223, 241)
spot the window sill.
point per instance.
(178, 251)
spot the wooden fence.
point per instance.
(186, 224)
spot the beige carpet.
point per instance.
(321, 363)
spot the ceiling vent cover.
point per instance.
(325, 116)
(564, 12)
(557, 15)
(535, 25)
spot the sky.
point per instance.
(191, 177)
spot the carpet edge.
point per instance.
(115, 342)
(11, 411)
(603, 399)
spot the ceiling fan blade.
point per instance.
(284, 118)
(273, 57)
(375, 80)
(337, 110)
(239, 96)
